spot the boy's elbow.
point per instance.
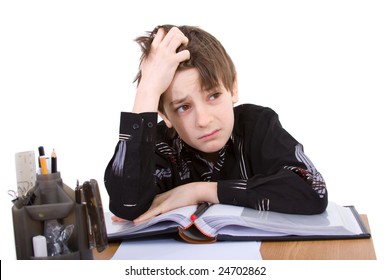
(128, 212)
(320, 204)
(320, 207)
(312, 205)
(126, 200)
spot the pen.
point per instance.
(41, 151)
(53, 162)
(200, 210)
(77, 193)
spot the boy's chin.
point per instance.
(211, 150)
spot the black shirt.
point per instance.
(261, 166)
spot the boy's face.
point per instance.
(203, 119)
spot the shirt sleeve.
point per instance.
(276, 173)
(129, 176)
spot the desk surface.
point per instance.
(351, 249)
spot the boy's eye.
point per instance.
(182, 108)
(214, 96)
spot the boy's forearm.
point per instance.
(207, 191)
(184, 195)
(145, 101)
(283, 192)
(129, 175)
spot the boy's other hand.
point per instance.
(184, 195)
(116, 219)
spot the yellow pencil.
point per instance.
(44, 169)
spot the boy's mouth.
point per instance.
(210, 135)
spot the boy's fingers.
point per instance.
(174, 39)
(118, 220)
(147, 216)
(170, 41)
(154, 210)
(178, 39)
(158, 37)
(183, 55)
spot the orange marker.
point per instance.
(199, 211)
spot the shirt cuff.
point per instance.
(233, 192)
(138, 127)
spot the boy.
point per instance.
(205, 149)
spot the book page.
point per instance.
(240, 221)
(177, 217)
(336, 220)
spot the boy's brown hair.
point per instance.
(208, 56)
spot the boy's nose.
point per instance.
(203, 117)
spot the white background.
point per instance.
(66, 72)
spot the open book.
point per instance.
(227, 222)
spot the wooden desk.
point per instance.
(352, 249)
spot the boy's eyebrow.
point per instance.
(181, 100)
(178, 101)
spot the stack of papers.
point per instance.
(171, 249)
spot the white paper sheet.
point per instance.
(171, 249)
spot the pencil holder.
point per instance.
(49, 186)
(54, 201)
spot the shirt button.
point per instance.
(135, 126)
(150, 124)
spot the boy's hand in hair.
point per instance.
(158, 68)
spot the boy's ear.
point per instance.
(235, 91)
(165, 119)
